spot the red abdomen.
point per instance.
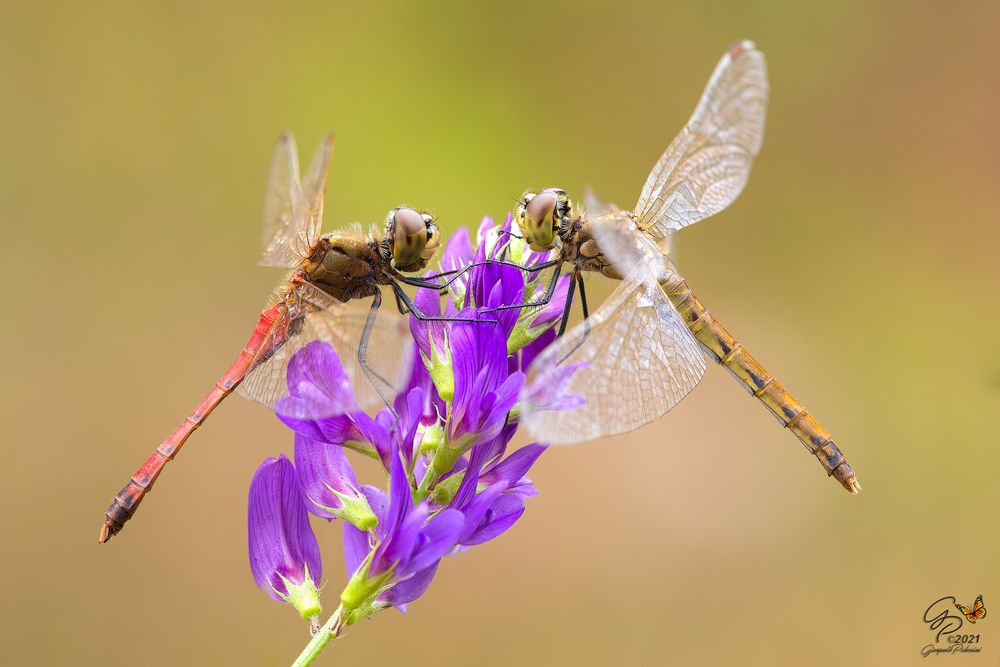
(127, 500)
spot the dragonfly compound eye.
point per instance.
(408, 232)
(538, 220)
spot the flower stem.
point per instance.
(330, 630)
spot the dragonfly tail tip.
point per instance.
(107, 532)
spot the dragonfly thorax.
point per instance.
(344, 266)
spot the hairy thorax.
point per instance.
(345, 267)
(580, 249)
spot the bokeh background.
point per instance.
(860, 266)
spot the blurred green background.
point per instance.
(860, 266)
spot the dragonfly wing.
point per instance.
(639, 360)
(633, 254)
(706, 167)
(293, 212)
(317, 316)
(594, 207)
(314, 190)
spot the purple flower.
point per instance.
(458, 253)
(550, 390)
(485, 389)
(443, 443)
(409, 542)
(284, 555)
(329, 483)
(553, 310)
(493, 510)
(321, 405)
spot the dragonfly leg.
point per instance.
(427, 282)
(578, 277)
(569, 305)
(441, 274)
(546, 298)
(399, 305)
(583, 299)
(516, 236)
(417, 313)
(454, 273)
(366, 335)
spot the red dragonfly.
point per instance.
(328, 272)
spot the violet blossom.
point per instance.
(443, 446)
(284, 555)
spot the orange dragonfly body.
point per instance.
(644, 348)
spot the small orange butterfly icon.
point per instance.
(977, 612)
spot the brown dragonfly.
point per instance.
(327, 272)
(642, 351)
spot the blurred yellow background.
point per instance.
(136, 142)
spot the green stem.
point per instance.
(330, 630)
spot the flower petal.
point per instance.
(437, 538)
(475, 510)
(549, 390)
(515, 466)
(321, 467)
(535, 347)
(554, 309)
(280, 541)
(503, 514)
(317, 365)
(407, 591)
(458, 251)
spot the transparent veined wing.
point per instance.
(313, 315)
(596, 209)
(631, 361)
(314, 188)
(293, 211)
(632, 254)
(706, 167)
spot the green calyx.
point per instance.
(439, 368)
(362, 589)
(353, 509)
(443, 461)
(303, 597)
(524, 330)
(368, 608)
(446, 490)
(432, 438)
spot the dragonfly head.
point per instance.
(539, 216)
(413, 238)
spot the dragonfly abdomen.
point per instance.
(727, 351)
(127, 501)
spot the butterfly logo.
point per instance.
(976, 613)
